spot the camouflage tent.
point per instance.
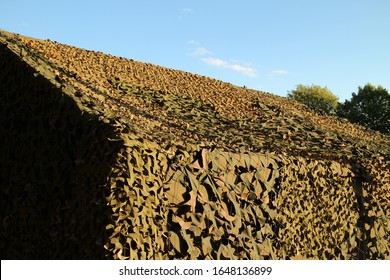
(105, 157)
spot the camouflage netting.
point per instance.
(331, 219)
(187, 202)
(53, 160)
(103, 157)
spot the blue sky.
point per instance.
(270, 45)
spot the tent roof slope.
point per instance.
(162, 103)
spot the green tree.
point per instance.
(369, 107)
(315, 97)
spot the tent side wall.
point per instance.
(53, 162)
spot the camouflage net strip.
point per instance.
(186, 202)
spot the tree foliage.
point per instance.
(369, 107)
(315, 97)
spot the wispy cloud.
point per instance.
(197, 50)
(184, 11)
(248, 71)
(193, 42)
(200, 51)
(279, 72)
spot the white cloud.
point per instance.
(193, 42)
(214, 61)
(183, 12)
(201, 51)
(186, 11)
(279, 72)
(248, 71)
